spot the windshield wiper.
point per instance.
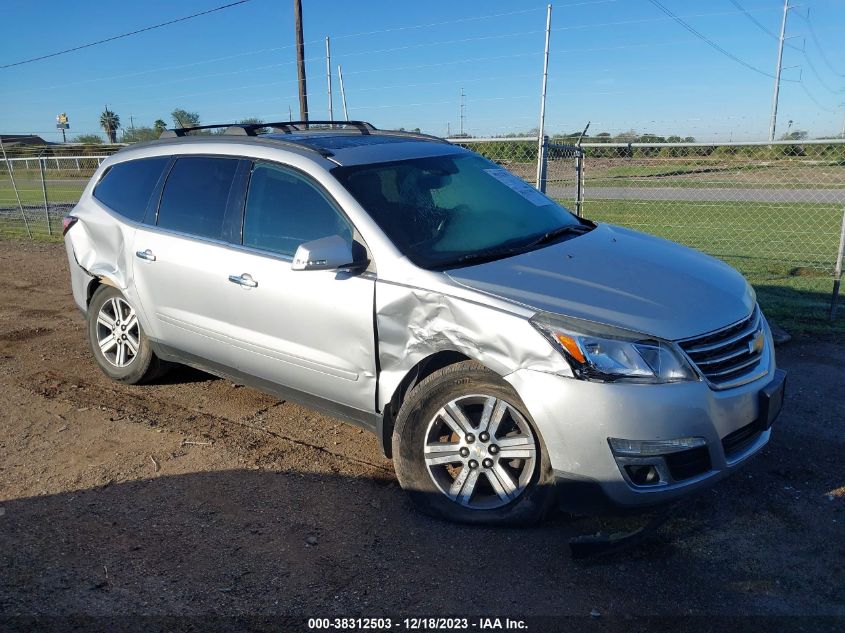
(552, 235)
(480, 257)
(500, 253)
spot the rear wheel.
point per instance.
(465, 449)
(117, 340)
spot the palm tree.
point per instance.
(110, 123)
(159, 126)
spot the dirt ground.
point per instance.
(196, 496)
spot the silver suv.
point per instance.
(506, 353)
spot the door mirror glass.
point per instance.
(326, 253)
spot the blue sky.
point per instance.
(621, 64)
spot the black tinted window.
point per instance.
(196, 194)
(283, 210)
(126, 187)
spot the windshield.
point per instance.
(456, 210)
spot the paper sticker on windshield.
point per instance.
(520, 186)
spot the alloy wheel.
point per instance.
(118, 332)
(480, 451)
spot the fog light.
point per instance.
(650, 448)
(643, 475)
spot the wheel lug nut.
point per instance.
(473, 464)
(464, 452)
(470, 438)
(493, 449)
(487, 463)
(484, 437)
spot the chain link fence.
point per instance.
(39, 185)
(775, 211)
(772, 210)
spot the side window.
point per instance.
(196, 194)
(283, 210)
(126, 188)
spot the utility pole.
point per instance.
(300, 60)
(342, 92)
(329, 77)
(541, 147)
(773, 123)
(448, 129)
(463, 105)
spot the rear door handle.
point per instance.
(147, 254)
(245, 280)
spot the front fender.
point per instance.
(413, 324)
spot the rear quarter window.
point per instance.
(126, 187)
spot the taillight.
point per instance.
(67, 222)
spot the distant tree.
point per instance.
(673, 139)
(627, 137)
(159, 126)
(603, 137)
(254, 121)
(796, 135)
(417, 130)
(110, 123)
(651, 138)
(88, 139)
(689, 139)
(183, 118)
(139, 135)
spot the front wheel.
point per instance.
(465, 449)
(117, 340)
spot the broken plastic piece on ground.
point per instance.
(599, 544)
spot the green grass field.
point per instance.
(30, 192)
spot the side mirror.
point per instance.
(326, 253)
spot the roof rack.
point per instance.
(251, 129)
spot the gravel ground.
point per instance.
(196, 496)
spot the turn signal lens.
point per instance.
(571, 346)
(67, 222)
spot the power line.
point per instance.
(813, 99)
(809, 61)
(336, 37)
(818, 76)
(759, 24)
(117, 37)
(708, 41)
(645, 20)
(819, 46)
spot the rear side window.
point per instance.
(196, 195)
(283, 210)
(126, 188)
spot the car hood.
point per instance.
(620, 277)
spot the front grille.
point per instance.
(736, 442)
(730, 356)
(689, 463)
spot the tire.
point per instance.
(138, 364)
(425, 434)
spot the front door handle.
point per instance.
(245, 280)
(147, 254)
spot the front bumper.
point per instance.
(575, 418)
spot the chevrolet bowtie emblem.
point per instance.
(755, 345)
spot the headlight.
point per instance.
(605, 353)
